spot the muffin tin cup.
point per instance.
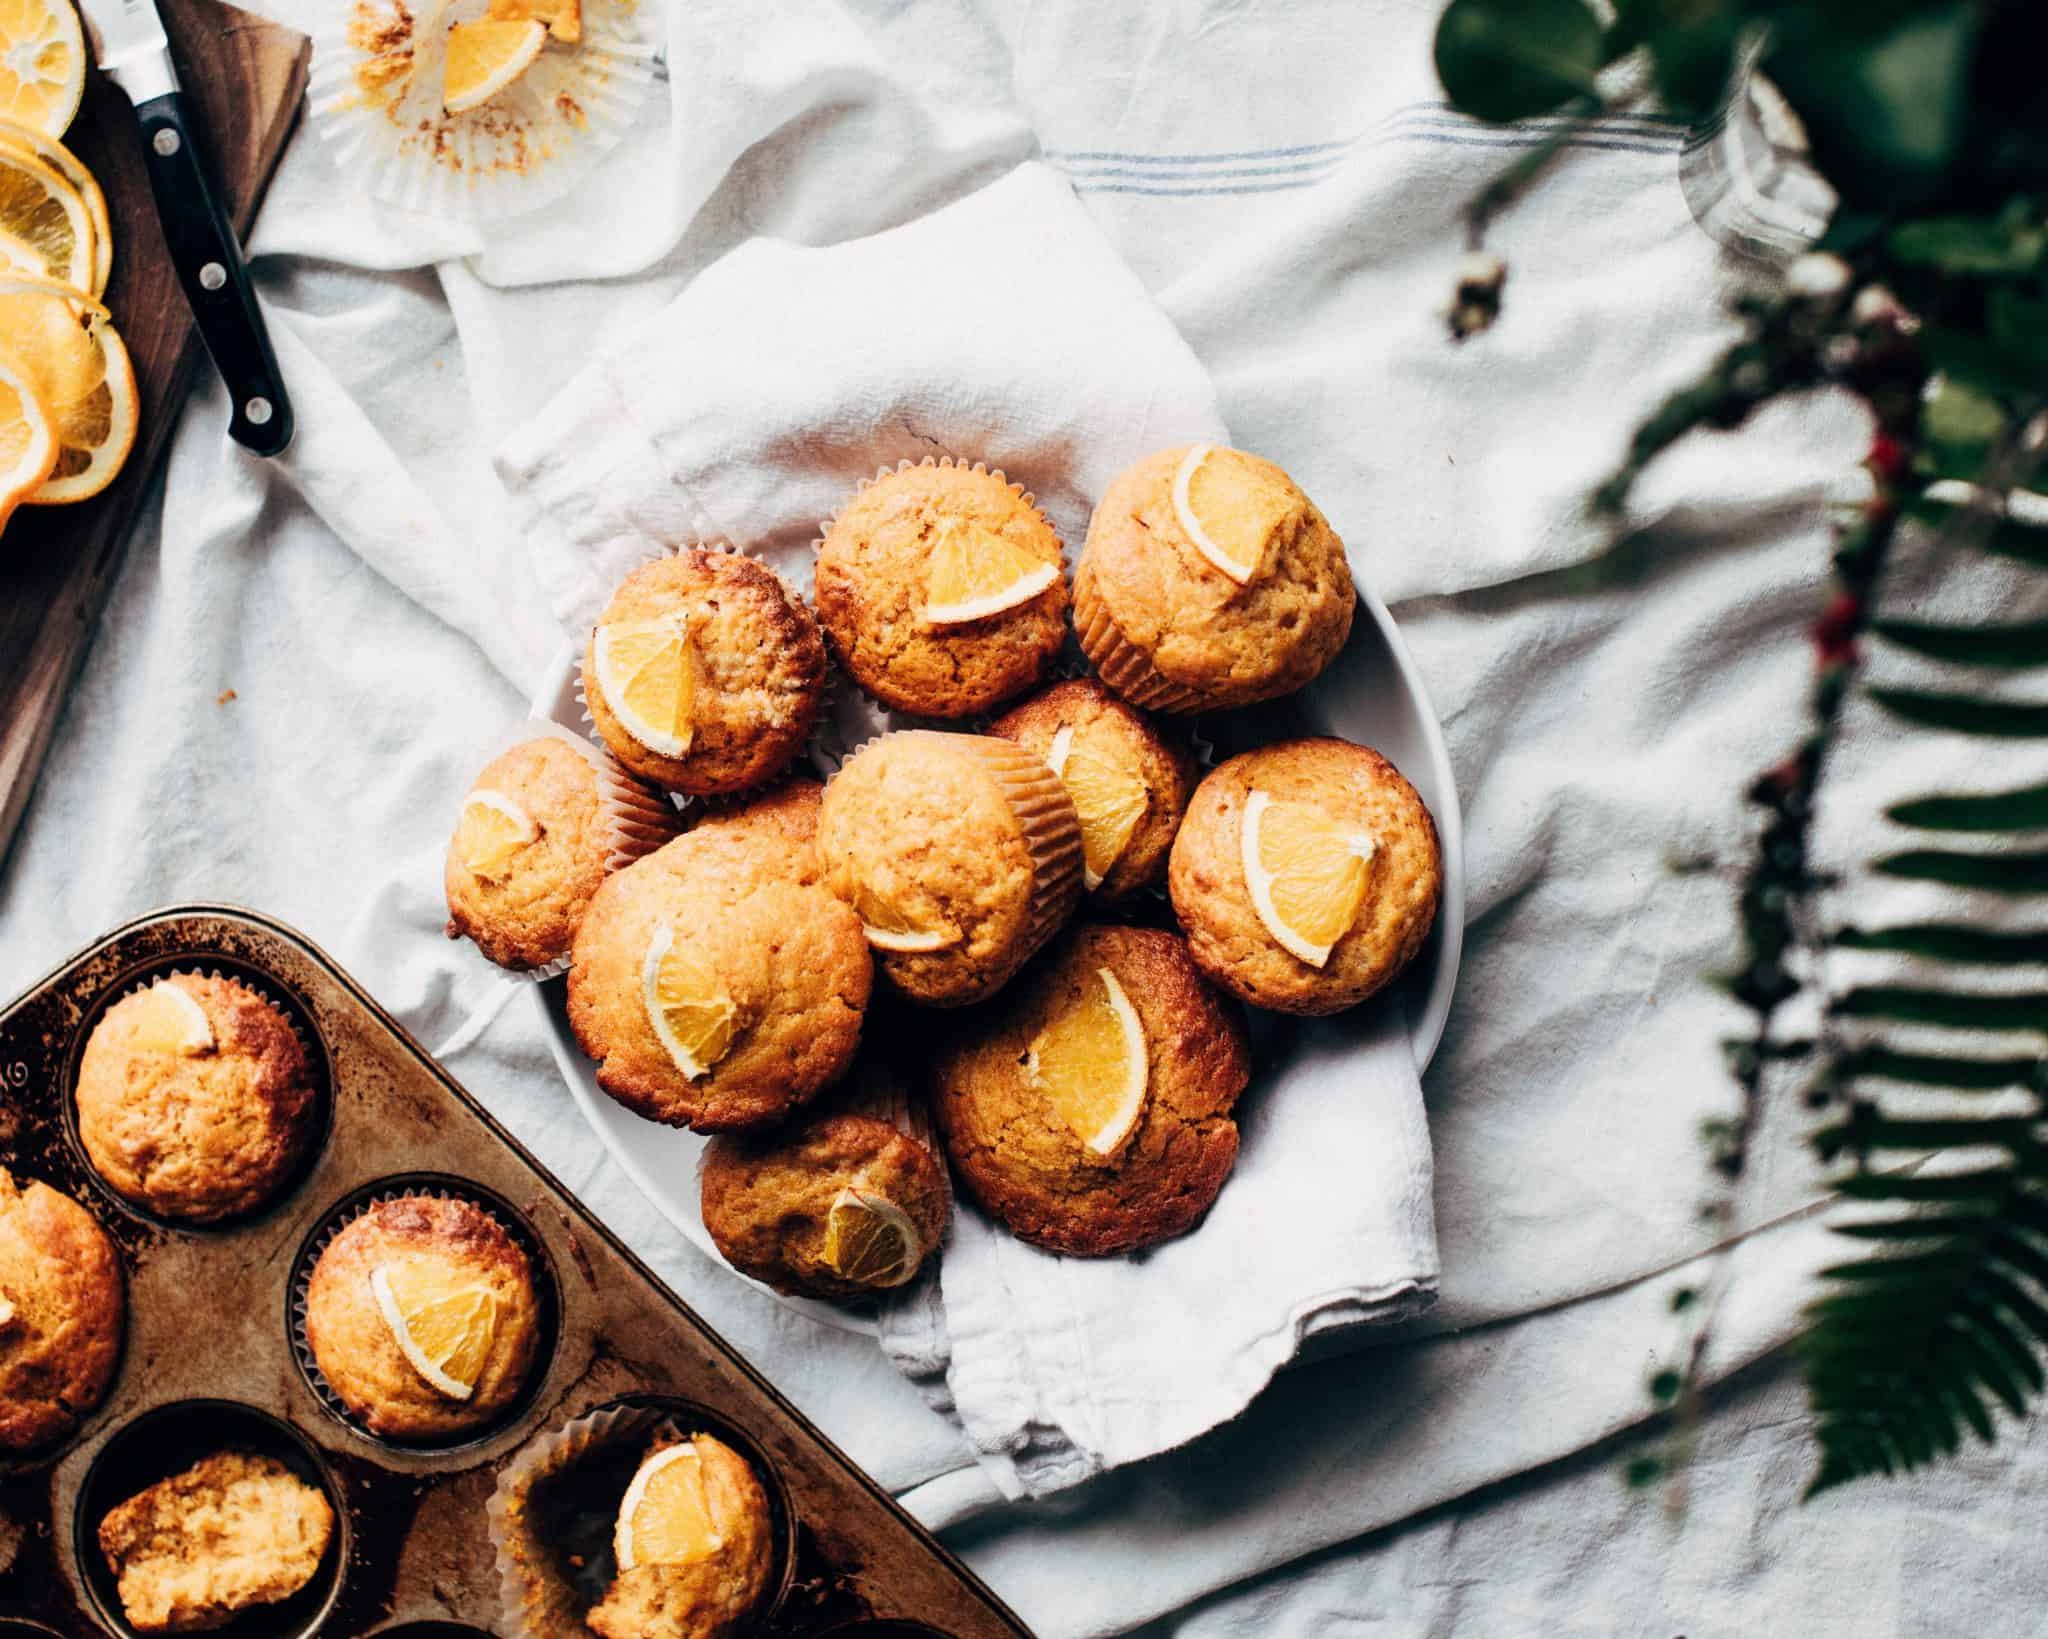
(415, 1187)
(541, 1596)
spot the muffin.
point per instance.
(1209, 581)
(774, 833)
(1306, 875)
(693, 1545)
(1089, 1108)
(539, 830)
(232, 1531)
(712, 991)
(960, 854)
(705, 672)
(63, 1311)
(195, 1098)
(422, 1316)
(844, 1203)
(942, 589)
(1129, 782)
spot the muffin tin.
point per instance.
(212, 1362)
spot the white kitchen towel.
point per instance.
(1001, 328)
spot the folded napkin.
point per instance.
(1001, 328)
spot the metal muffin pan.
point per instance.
(211, 1360)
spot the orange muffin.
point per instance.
(942, 589)
(63, 1311)
(1306, 875)
(1208, 581)
(961, 855)
(693, 1545)
(422, 1316)
(1130, 783)
(195, 1098)
(1088, 1108)
(773, 834)
(705, 672)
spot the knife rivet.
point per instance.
(258, 411)
(166, 142)
(213, 276)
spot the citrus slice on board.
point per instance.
(492, 830)
(169, 1020)
(974, 573)
(889, 928)
(1306, 872)
(442, 1324)
(1229, 509)
(689, 1007)
(45, 227)
(1090, 1063)
(1109, 798)
(650, 673)
(25, 139)
(63, 344)
(28, 443)
(42, 64)
(666, 1517)
(870, 1240)
(484, 57)
(564, 18)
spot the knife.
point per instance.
(128, 39)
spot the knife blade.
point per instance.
(129, 42)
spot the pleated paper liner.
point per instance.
(376, 92)
(1120, 663)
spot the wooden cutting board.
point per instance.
(246, 79)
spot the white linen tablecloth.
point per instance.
(1284, 181)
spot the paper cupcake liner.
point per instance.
(1052, 832)
(375, 94)
(1118, 662)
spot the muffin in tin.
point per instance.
(63, 1313)
(704, 673)
(1089, 1107)
(942, 589)
(1306, 875)
(960, 853)
(693, 1544)
(1129, 780)
(1209, 581)
(423, 1317)
(195, 1098)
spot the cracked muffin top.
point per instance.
(1088, 1108)
(195, 1098)
(63, 1311)
(942, 589)
(705, 672)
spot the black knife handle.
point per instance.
(216, 280)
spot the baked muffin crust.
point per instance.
(1225, 934)
(773, 835)
(202, 1136)
(763, 670)
(66, 1312)
(871, 593)
(1169, 630)
(1022, 1162)
(707, 1598)
(352, 1343)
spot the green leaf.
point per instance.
(1940, 1070)
(2022, 810)
(2019, 327)
(1948, 942)
(1965, 713)
(1965, 356)
(1994, 873)
(1505, 60)
(1955, 1009)
(1985, 1184)
(1969, 244)
(1961, 423)
(2021, 644)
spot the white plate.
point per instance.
(1371, 694)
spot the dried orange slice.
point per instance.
(1109, 798)
(42, 64)
(689, 1007)
(1306, 872)
(667, 1516)
(492, 830)
(65, 346)
(650, 673)
(486, 56)
(28, 443)
(974, 573)
(442, 1324)
(45, 228)
(870, 1240)
(27, 140)
(1229, 508)
(1090, 1062)
(170, 1020)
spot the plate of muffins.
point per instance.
(936, 856)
